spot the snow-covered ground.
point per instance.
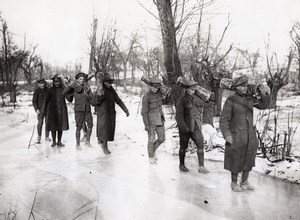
(285, 170)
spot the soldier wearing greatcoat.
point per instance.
(55, 104)
(104, 103)
(236, 124)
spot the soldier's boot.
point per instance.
(105, 148)
(152, 160)
(246, 186)
(200, 154)
(53, 133)
(244, 183)
(155, 157)
(235, 187)
(59, 135)
(78, 147)
(182, 167)
(47, 136)
(88, 137)
(38, 140)
(84, 136)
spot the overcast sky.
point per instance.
(61, 27)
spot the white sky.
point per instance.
(61, 27)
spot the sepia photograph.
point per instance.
(149, 109)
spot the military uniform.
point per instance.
(37, 102)
(106, 113)
(58, 112)
(82, 95)
(188, 117)
(236, 124)
(153, 118)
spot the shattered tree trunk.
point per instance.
(273, 95)
(171, 58)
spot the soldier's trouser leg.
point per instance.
(40, 119)
(151, 141)
(46, 125)
(197, 137)
(104, 144)
(79, 119)
(105, 147)
(77, 135)
(160, 131)
(183, 142)
(89, 127)
(84, 128)
(59, 136)
(245, 176)
(53, 133)
(234, 177)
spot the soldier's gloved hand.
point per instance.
(229, 141)
(228, 144)
(186, 129)
(127, 113)
(147, 128)
(38, 112)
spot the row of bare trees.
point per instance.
(15, 63)
(21, 64)
(197, 56)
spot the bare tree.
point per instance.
(277, 76)
(32, 66)
(206, 65)
(125, 55)
(11, 59)
(152, 64)
(168, 30)
(251, 60)
(102, 55)
(295, 35)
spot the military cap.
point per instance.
(56, 76)
(108, 79)
(154, 80)
(240, 81)
(190, 83)
(80, 74)
(41, 80)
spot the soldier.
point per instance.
(236, 124)
(37, 102)
(106, 113)
(188, 117)
(82, 94)
(58, 112)
(153, 117)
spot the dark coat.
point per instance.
(236, 121)
(81, 94)
(152, 108)
(58, 113)
(189, 112)
(38, 98)
(106, 113)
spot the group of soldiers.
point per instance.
(50, 104)
(236, 124)
(236, 121)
